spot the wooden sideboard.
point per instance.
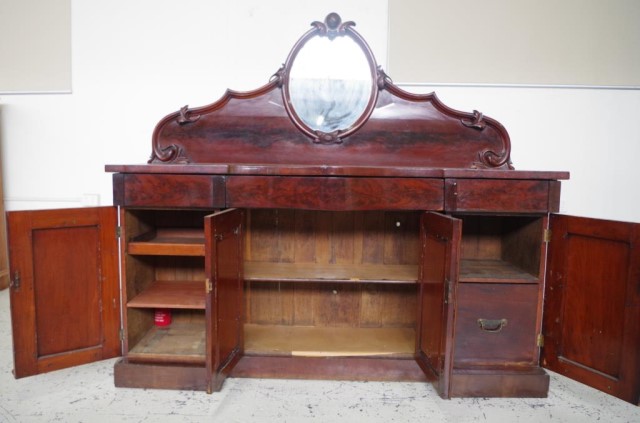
(400, 245)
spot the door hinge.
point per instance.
(540, 340)
(122, 334)
(118, 231)
(447, 291)
(208, 286)
(547, 235)
(15, 281)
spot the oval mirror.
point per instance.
(329, 86)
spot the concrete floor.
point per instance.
(86, 394)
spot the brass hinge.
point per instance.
(547, 235)
(15, 281)
(208, 286)
(540, 340)
(447, 291)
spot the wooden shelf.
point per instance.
(177, 343)
(493, 271)
(169, 242)
(314, 341)
(171, 294)
(301, 272)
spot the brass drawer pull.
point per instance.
(492, 325)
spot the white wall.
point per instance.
(135, 62)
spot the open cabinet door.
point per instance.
(440, 237)
(591, 320)
(224, 303)
(65, 295)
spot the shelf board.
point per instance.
(312, 272)
(316, 341)
(493, 271)
(169, 242)
(176, 343)
(171, 294)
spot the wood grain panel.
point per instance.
(513, 343)
(160, 376)
(497, 195)
(194, 191)
(334, 368)
(331, 304)
(335, 193)
(592, 304)
(512, 245)
(321, 248)
(359, 237)
(66, 308)
(308, 341)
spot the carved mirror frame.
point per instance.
(331, 28)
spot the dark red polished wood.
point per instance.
(224, 298)
(435, 336)
(592, 310)
(65, 299)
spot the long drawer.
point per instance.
(335, 193)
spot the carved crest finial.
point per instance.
(332, 26)
(333, 21)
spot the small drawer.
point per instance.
(149, 190)
(335, 193)
(501, 195)
(496, 324)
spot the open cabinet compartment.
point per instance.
(499, 307)
(330, 284)
(164, 273)
(502, 249)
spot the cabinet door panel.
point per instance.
(65, 299)
(592, 304)
(440, 236)
(224, 260)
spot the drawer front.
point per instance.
(498, 195)
(335, 193)
(147, 190)
(496, 324)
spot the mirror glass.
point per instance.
(330, 83)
